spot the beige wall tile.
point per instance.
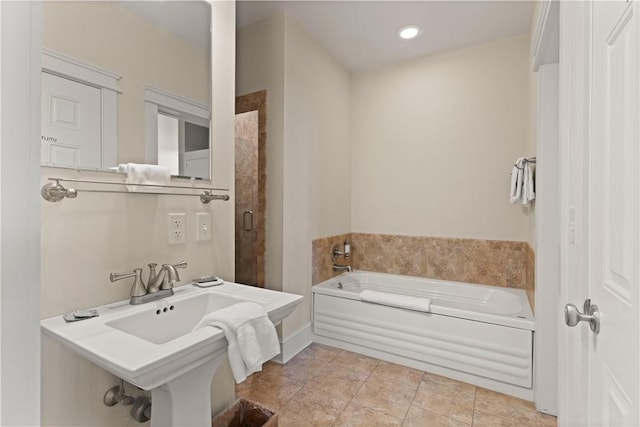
(322, 266)
(485, 262)
(445, 259)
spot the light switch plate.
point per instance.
(203, 226)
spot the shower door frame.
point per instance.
(257, 101)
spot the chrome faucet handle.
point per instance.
(138, 289)
(152, 272)
(181, 264)
(172, 275)
(118, 276)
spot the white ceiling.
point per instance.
(363, 34)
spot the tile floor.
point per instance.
(325, 386)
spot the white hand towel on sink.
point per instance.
(395, 300)
(251, 335)
(145, 174)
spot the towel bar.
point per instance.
(526, 159)
(56, 192)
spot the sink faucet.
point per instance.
(160, 284)
(165, 278)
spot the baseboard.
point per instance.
(294, 343)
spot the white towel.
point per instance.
(251, 335)
(517, 178)
(395, 300)
(528, 194)
(145, 174)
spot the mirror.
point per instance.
(126, 82)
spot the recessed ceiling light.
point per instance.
(409, 32)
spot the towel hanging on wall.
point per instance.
(522, 182)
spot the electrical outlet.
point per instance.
(203, 224)
(177, 228)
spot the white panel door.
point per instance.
(614, 368)
(71, 118)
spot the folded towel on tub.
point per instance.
(251, 335)
(395, 300)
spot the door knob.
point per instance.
(572, 315)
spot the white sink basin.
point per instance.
(153, 345)
(174, 319)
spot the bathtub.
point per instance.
(479, 334)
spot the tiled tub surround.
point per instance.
(321, 254)
(486, 262)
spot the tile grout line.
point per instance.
(305, 381)
(337, 416)
(413, 399)
(356, 393)
(473, 414)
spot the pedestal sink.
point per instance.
(154, 347)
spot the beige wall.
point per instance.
(317, 160)
(117, 38)
(260, 66)
(434, 140)
(308, 175)
(422, 148)
(308, 129)
(85, 239)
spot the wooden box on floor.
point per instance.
(244, 413)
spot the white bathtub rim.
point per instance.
(522, 320)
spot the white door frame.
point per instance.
(544, 61)
(547, 277)
(20, 57)
(575, 136)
